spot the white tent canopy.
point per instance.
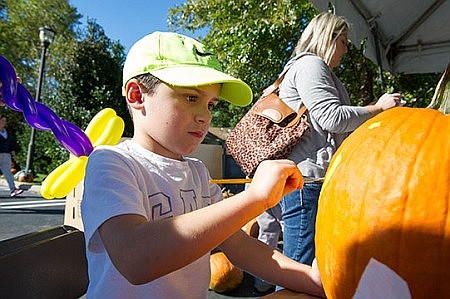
(413, 36)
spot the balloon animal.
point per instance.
(105, 128)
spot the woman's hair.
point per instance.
(320, 36)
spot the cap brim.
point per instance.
(233, 90)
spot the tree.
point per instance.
(254, 39)
(19, 32)
(83, 71)
(88, 80)
(20, 21)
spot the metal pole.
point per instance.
(30, 154)
(380, 62)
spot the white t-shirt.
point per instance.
(128, 179)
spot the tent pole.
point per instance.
(378, 54)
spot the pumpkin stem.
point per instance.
(441, 98)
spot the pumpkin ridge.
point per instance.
(437, 125)
(371, 182)
(408, 205)
(350, 152)
(446, 243)
(407, 201)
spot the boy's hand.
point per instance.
(273, 179)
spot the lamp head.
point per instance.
(46, 35)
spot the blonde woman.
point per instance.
(310, 81)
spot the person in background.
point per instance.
(150, 215)
(310, 81)
(8, 147)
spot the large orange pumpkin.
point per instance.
(386, 195)
(224, 275)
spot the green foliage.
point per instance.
(82, 75)
(19, 32)
(254, 39)
(20, 21)
(89, 80)
(416, 89)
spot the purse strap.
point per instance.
(275, 86)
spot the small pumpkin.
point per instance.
(224, 275)
(386, 195)
(24, 177)
(252, 228)
(14, 167)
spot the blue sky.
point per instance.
(127, 20)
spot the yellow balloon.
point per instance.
(64, 178)
(112, 132)
(105, 128)
(92, 130)
(99, 127)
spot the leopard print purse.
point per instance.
(268, 131)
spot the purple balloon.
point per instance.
(39, 116)
(29, 110)
(9, 83)
(80, 137)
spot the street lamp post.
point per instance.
(47, 36)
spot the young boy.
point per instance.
(150, 215)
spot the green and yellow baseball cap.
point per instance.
(179, 60)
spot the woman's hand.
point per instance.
(386, 101)
(389, 100)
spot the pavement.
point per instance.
(31, 187)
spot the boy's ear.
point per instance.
(134, 93)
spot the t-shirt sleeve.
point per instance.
(110, 189)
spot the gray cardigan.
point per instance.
(330, 114)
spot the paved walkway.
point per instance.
(35, 188)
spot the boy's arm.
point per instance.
(257, 258)
(143, 251)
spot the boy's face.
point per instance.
(173, 121)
